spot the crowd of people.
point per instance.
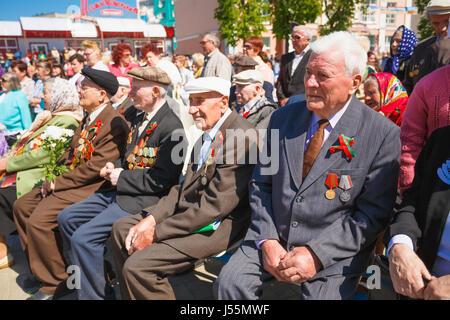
(297, 162)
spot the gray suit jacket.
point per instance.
(342, 235)
(218, 65)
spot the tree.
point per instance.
(424, 26)
(284, 12)
(339, 14)
(239, 19)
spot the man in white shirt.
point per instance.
(216, 63)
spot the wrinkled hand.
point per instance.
(407, 271)
(35, 101)
(107, 170)
(3, 164)
(47, 188)
(272, 253)
(438, 289)
(141, 235)
(114, 176)
(299, 265)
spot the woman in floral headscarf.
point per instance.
(402, 47)
(385, 93)
(21, 170)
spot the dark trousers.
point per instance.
(36, 223)
(143, 275)
(85, 227)
(7, 197)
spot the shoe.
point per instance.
(7, 261)
(28, 283)
(41, 296)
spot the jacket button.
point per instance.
(294, 224)
(299, 199)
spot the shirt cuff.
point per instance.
(259, 243)
(400, 238)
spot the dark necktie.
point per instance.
(204, 66)
(314, 147)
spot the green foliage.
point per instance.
(340, 14)
(55, 148)
(239, 19)
(284, 12)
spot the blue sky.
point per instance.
(11, 10)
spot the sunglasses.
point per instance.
(296, 37)
(248, 46)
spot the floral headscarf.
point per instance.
(394, 97)
(63, 95)
(404, 51)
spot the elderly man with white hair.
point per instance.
(316, 219)
(250, 95)
(122, 102)
(203, 215)
(216, 63)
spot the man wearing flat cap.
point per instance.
(433, 52)
(244, 63)
(139, 179)
(101, 137)
(200, 217)
(255, 107)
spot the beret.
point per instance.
(208, 84)
(105, 80)
(245, 61)
(151, 74)
(438, 7)
(248, 77)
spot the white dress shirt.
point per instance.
(298, 58)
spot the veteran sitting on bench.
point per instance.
(143, 176)
(166, 239)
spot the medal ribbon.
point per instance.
(97, 126)
(345, 183)
(346, 144)
(332, 181)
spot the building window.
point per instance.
(266, 44)
(390, 19)
(387, 44)
(391, 4)
(369, 18)
(372, 42)
(373, 2)
(8, 45)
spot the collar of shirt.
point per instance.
(118, 103)
(211, 53)
(149, 116)
(250, 104)
(334, 119)
(209, 137)
(95, 114)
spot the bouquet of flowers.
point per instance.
(55, 141)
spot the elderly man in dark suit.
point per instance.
(315, 220)
(204, 215)
(101, 137)
(293, 66)
(143, 176)
(418, 239)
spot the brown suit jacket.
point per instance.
(109, 145)
(191, 205)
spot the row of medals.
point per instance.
(80, 148)
(146, 155)
(344, 196)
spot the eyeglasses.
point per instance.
(204, 42)
(86, 88)
(296, 37)
(248, 46)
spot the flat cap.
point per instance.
(248, 77)
(245, 61)
(124, 82)
(150, 74)
(438, 7)
(105, 80)
(208, 84)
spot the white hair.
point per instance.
(305, 30)
(213, 38)
(354, 54)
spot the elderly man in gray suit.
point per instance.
(315, 219)
(216, 63)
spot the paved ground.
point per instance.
(195, 285)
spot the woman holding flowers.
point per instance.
(26, 164)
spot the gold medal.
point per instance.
(204, 181)
(130, 166)
(330, 194)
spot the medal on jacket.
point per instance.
(142, 156)
(345, 184)
(331, 182)
(209, 161)
(85, 148)
(345, 145)
(444, 172)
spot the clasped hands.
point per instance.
(110, 173)
(408, 273)
(296, 266)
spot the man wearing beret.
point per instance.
(433, 52)
(255, 107)
(244, 63)
(202, 216)
(143, 176)
(101, 137)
